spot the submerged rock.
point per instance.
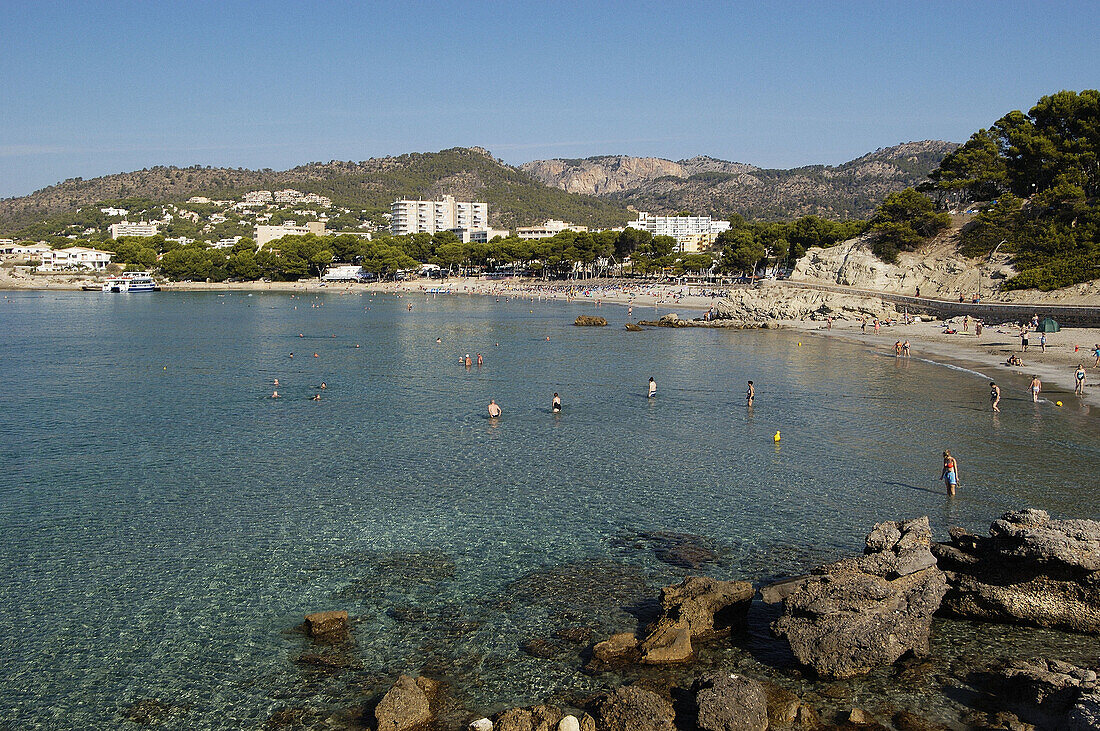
(633, 327)
(619, 649)
(590, 321)
(1031, 569)
(682, 549)
(862, 612)
(635, 709)
(729, 702)
(329, 626)
(151, 711)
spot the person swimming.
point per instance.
(555, 405)
(316, 397)
(323, 386)
(274, 394)
(652, 387)
(276, 382)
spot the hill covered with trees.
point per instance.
(1040, 173)
(514, 197)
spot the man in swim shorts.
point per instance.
(1036, 387)
(494, 410)
(652, 387)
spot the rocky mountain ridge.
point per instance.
(720, 188)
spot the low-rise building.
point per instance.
(10, 248)
(481, 236)
(344, 273)
(74, 257)
(114, 211)
(552, 227)
(265, 234)
(127, 228)
(692, 233)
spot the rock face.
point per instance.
(695, 608)
(866, 611)
(755, 306)
(589, 321)
(406, 705)
(1031, 569)
(1047, 693)
(635, 709)
(730, 702)
(330, 626)
(619, 649)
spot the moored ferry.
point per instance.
(130, 282)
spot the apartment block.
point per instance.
(414, 217)
(692, 233)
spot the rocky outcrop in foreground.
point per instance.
(1031, 569)
(589, 321)
(407, 705)
(862, 612)
(697, 608)
(1047, 693)
(778, 302)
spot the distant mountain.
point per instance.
(596, 191)
(720, 188)
(514, 197)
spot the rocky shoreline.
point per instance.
(857, 616)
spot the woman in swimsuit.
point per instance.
(1079, 380)
(555, 406)
(994, 395)
(950, 474)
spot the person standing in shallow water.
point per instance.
(652, 387)
(950, 474)
(555, 405)
(1036, 387)
(494, 410)
(994, 396)
(1079, 380)
(750, 394)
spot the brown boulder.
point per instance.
(635, 709)
(406, 705)
(668, 643)
(708, 606)
(329, 626)
(590, 321)
(619, 649)
(535, 718)
(634, 328)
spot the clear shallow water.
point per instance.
(163, 523)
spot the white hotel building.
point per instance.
(414, 217)
(692, 233)
(126, 228)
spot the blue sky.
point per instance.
(90, 88)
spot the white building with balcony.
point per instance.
(74, 257)
(414, 217)
(126, 228)
(552, 227)
(692, 233)
(266, 234)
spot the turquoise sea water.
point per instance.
(164, 524)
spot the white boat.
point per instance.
(130, 282)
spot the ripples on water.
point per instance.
(163, 523)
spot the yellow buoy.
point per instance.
(800, 345)
(1059, 403)
(166, 368)
(776, 437)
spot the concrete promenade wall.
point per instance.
(989, 312)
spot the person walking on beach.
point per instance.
(1096, 353)
(978, 328)
(1079, 380)
(494, 410)
(1023, 339)
(950, 474)
(863, 325)
(1035, 387)
(555, 405)
(905, 349)
(1043, 342)
(897, 349)
(994, 396)
(876, 323)
(652, 387)
(750, 394)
